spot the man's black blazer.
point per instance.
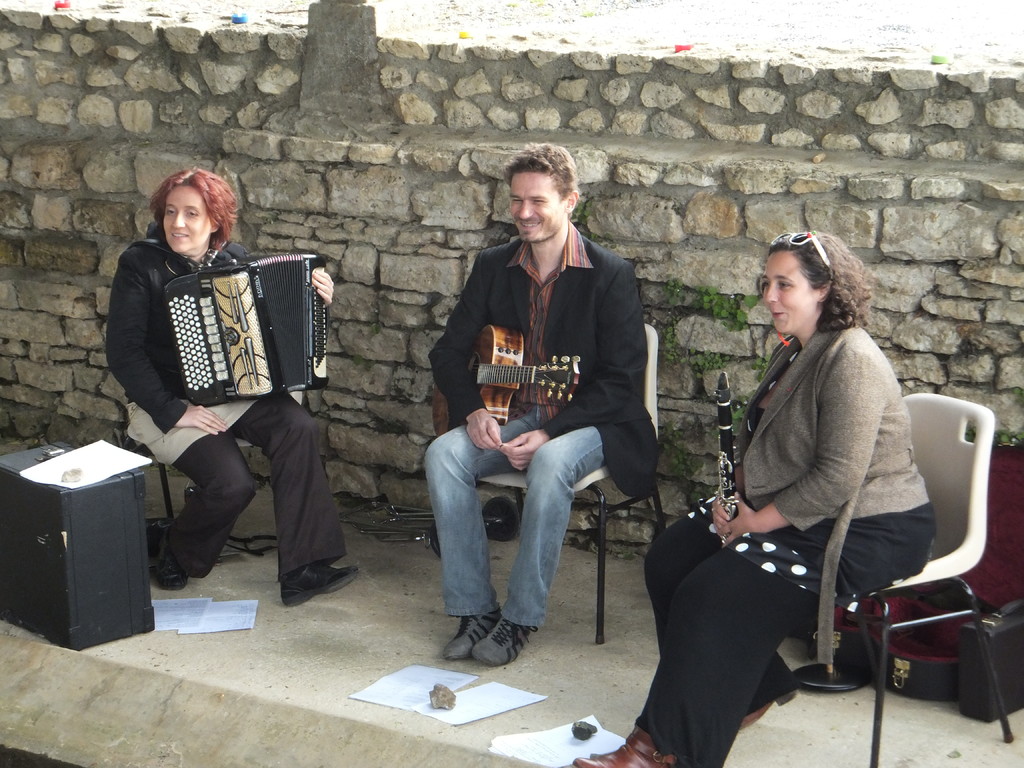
(594, 314)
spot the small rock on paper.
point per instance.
(583, 730)
(442, 697)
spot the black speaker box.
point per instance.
(73, 562)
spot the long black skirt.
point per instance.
(879, 550)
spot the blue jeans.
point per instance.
(454, 465)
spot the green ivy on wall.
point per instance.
(731, 311)
(1004, 437)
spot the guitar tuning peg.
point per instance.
(575, 358)
(565, 359)
(568, 397)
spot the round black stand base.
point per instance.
(816, 677)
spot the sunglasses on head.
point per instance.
(799, 238)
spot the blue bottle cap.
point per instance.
(239, 18)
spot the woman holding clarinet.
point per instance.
(824, 466)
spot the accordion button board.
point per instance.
(194, 326)
(249, 330)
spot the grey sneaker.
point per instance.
(472, 629)
(503, 644)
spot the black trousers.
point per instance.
(306, 519)
(720, 620)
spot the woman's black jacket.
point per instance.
(140, 341)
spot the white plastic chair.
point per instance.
(517, 480)
(955, 471)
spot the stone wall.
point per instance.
(899, 113)
(385, 156)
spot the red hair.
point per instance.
(221, 203)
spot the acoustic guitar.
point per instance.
(498, 362)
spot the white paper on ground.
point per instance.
(192, 616)
(557, 747)
(410, 687)
(483, 701)
(225, 616)
(179, 613)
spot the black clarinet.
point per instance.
(726, 467)
(726, 492)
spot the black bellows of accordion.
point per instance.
(249, 330)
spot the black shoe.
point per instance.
(503, 644)
(472, 629)
(169, 573)
(314, 579)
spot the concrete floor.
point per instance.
(277, 695)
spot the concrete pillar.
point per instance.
(340, 73)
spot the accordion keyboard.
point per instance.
(203, 364)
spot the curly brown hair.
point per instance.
(221, 203)
(549, 159)
(848, 303)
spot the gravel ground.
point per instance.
(983, 35)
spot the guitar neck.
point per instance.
(489, 373)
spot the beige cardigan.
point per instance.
(834, 441)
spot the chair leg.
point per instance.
(881, 672)
(865, 635)
(165, 487)
(987, 661)
(519, 502)
(881, 668)
(602, 538)
(660, 524)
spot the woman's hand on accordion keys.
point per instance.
(323, 285)
(202, 418)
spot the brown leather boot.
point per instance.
(754, 716)
(637, 752)
(757, 714)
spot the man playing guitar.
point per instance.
(570, 299)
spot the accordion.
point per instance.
(249, 330)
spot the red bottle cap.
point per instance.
(680, 48)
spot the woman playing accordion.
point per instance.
(194, 212)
